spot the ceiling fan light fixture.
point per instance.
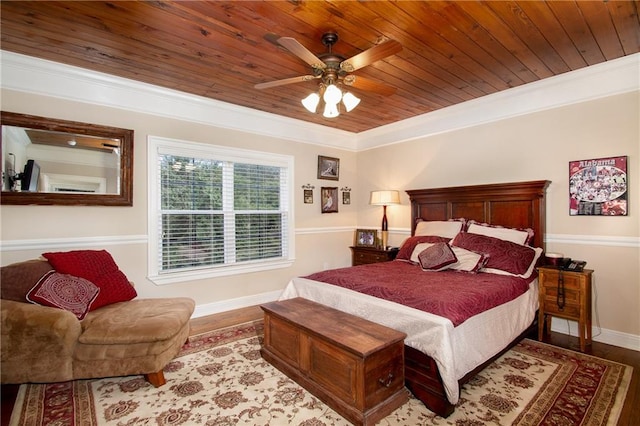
(331, 110)
(332, 95)
(311, 102)
(350, 101)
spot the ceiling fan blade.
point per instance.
(369, 56)
(301, 52)
(369, 85)
(284, 81)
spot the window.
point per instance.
(217, 211)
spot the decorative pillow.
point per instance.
(437, 257)
(468, 261)
(503, 255)
(440, 228)
(98, 267)
(410, 244)
(518, 236)
(64, 291)
(18, 278)
(419, 248)
(526, 275)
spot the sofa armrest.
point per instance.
(31, 331)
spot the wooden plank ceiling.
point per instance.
(452, 51)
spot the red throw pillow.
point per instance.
(437, 257)
(503, 255)
(98, 267)
(64, 291)
(410, 244)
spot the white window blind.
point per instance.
(218, 208)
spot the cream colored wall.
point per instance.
(315, 249)
(532, 147)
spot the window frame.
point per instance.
(237, 155)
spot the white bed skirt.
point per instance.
(456, 350)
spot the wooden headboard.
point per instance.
(514, 205)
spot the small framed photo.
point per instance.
(329, 198)
(365, 237)
(308, 196)
(328, 168)
(346, 198)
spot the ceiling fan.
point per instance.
(334, 69)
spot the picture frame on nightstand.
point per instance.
(365, 238)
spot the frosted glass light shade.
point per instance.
(350, 101)
(332, 94)
(311, 102)
(384, 198)
(331, 110)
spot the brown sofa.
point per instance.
(45, 344)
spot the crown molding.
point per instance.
(37, 76)
(41, 77)
(609, 78)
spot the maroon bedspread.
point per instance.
(450, 294)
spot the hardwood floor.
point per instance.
(630, 415)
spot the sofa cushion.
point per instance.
(64, 291)
(136, 321)
(98, 267)
(18, 278)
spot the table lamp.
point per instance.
(384, 199)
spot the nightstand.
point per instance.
(565, 294)
(364, 255)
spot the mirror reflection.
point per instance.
(49, 161)
(45, 161)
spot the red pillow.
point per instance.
(437, 257)
(64, 291)
(410, 244)
(98, 267)
(504, 255)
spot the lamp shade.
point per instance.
(350, 101)
(384, 198)
(311, 102)
(332, 95)
(330, 111)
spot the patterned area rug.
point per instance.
(219, 379)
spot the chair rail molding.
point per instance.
(71, 243)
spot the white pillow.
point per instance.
(440, 228)
(417, 250)
(507, 234)
(468, 260)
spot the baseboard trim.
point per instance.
(232, 304)
(602, 335)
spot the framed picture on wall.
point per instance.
(598, 187)
(329, 199)
(346, 198)
(308, 196)
(328, 168)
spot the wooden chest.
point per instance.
(353, 365)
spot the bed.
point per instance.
(444, 352)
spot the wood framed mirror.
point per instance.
(47, 161)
